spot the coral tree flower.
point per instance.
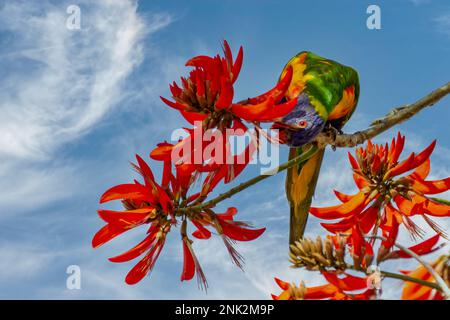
(207, 94)
(205, 99)
(158, 206)
(338, 288)
(415, 291)
(391, 191)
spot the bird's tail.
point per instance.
(301, 182)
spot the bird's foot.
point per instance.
(332, 132)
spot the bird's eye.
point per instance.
(302, 124)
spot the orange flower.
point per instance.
(156, 205)
(388, 196)
(338, 288)
(207, 94)
(415, 291)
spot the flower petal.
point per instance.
(343, 197)
(352, 207)
(402, 167)
(127, 218)
(422, 248)
(136, 251)
(341, 226)
(278, 92)
(431, 187)
(176, 105)
(264, 111)
(162, 152)
(188, 263)
(143, 267)
(238, 233)
(126, 191)
(360, 181)
(279, 111)
(320, 292)
(368, 218)
(436, 209)
(424, 155)
(348, 283)
(203, 62)
(238, 64)
(202, 232)
(193, 117)
(229, 214)
(226, 94)
(107, 233)
(145, 171)
(282, 284)
(399, 145)
(353, 162)
(421, 172)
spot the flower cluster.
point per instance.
(160, 206)
(391, 192)
(205, 100)
(388, 197)
(207, 94)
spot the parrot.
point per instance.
(327, 93)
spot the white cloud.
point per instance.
(22, 261)
(69, 79)
(57, 84)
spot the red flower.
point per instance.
(161, 206)
(190, 155)
(388, 196)
(207, 94)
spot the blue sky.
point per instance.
(77, 105)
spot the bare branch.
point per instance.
(213, 202)
(393, 118)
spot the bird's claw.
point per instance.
(333, 132)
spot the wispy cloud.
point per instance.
(64, 82)
(57, 84)
(419, 2)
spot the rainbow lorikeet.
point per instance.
(327, 93)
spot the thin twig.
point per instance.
(393, 118)
(211, 203)
(445, 289)
(403, 277)
(344, 140)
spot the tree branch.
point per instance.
(404, 277)
(211, 203)
(393, 118)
